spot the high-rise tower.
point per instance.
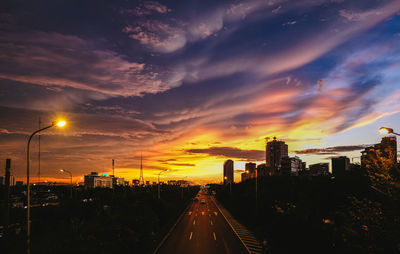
(275, 151)
(228, 172)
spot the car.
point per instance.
(203, 201)
(195, 199)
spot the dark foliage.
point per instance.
(317, 214)
(121, 220)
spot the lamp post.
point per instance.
(182, 188)
(230, 184)
(256, 190)
(387, 130)
(159, 181)
(28, 191)
(70, 174)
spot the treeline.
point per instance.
(351, 213)
(120, 220)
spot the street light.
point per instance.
(165, 170)
(387, 130)
(182, 188)
(256, 190)
(70, 174)
(28, 192)
(230, 184)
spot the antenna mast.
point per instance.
(141, 179)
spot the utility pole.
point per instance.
(256, 190)
(7, 195)
(39, 151)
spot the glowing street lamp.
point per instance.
(387, 130)
(28, 194)
(70, 174)
(165, 170)
(230, 184)
(61, 123)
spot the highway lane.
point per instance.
(202, 230)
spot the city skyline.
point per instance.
(191, 86)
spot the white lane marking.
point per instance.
(190, 237)
(209, 214)
(215, 238)
(211, 223)
(190, 213)
(202, 213)
(215, 213)
(195, 215)
(194, 222)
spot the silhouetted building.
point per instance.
(303, 166)
(319, 169)
(250, 170)
(1, 180)
(291, 166)
(340, 165)
(19, 183)
(147, 182)
(135, 182)
(245, 176)
(275, 151)
(228, 172)
(94, 180)
(182, 183)
(118, 181)
(250, 167)
(262, 170)
(172, 182)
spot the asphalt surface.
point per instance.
(202, 230)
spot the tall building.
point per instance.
(291, 165)
(319, 169)
(228, 172)
(340, 165)
(250, 171)
(250, 167)
(262, 170)
(275, 151)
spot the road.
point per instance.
(202, 230)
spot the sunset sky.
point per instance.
(190, 84)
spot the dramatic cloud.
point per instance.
(68, 61)
(332, 150)
(191, 87)
(232, 152)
